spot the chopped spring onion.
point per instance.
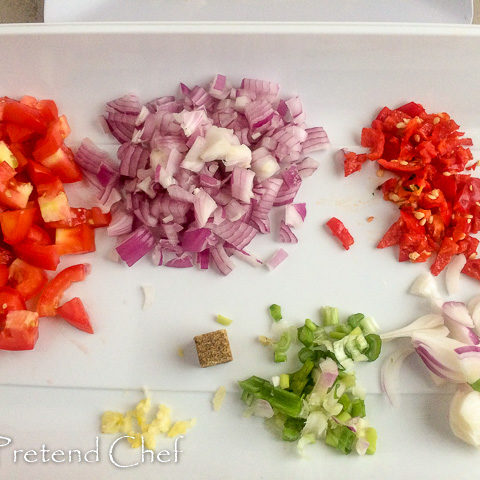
(321, 399)
(275, 312)
(224, 320)
(329, 316)
(284, 381)
(371, 437)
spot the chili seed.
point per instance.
(419, 215)
(436, 120)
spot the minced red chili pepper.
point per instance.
(339, 230)
(439, 201)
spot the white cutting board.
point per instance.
(417, 11)
(343, 75)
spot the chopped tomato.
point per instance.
(79, 239)
(39, 235)
(26, 279)
(6, 173)
(15, 194)
(52, 293)
(20, 330)
(24, 115)
(48, 144)
(18, 133)
(62, 164)
(39, 174)
(99, 219)
(339, 230)
(42, 256)
(3, 275)
(53, 202)
(16, 224)
(6, 256)
(48, 109)
(20, 154)
(10, 300)
(75, 314)
(77, 217)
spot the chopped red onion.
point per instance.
(276, 259)
(136, 246)
(285, 234)
(199, 174)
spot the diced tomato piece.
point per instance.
(10, 300)
(15, 194)
(353, 162)
(28, 100)
(99, 219)
(53, 202)
(42, 256)
(48, 144)
(412, 109)
(6, 174)
(6, 256)
(3, 275)
(77, 217)
(52, 293)
(16, 224)
(79, 239)
(18, 133)
(62, 164)
(64, 126)
(37, 234)
(19, 152)
(24, 115)
(48, 109)
(20, 330)
(75, 314)
(27, 279)
(392, 235)
(339, 230)
(39, 174)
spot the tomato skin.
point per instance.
(20, 330)
(79, 239)
(52, 293)
(339, 230)
(48, 144)
(39, 174)
(10, 300)
(17, 133)
(37, 234)
(15, 194)
(15, 224)
(98, 218)
(24, 115)
(3, 275)
(75, 314)
(26, 279)
(42, 256)
(48, 109)
(62, 164)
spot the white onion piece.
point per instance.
(391, 371)
(424, 322)
(452, 273)
(458, 312)
(148, 296)
(464, 415)
(425, 286)
(261, 408)
(361, 446)
(474, 309)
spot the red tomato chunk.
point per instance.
(37, 223)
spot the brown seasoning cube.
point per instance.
(213, 348)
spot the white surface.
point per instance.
(343, 74)
(432, 11)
